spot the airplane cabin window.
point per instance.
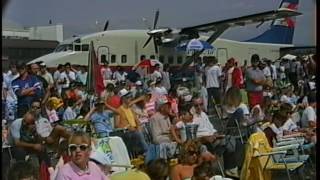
(103, 58)
(161, 59)
(152, 57)
(85, 47)
(170, 59)
(113, 58)
(123, 58)
(179, 60)
(142, 57)
(77, 47)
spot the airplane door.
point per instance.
(252, 51)
(222, 55)
(103, 54)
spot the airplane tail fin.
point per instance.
(281, 30)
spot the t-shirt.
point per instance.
(160, 128)
(82, 77)
(205, 127)
(267, 72)
(15, 130)
(101, 122)
(212, 76)
(71, 171)
(114, 101)
(127, 116)
(254, 74)
(31, 81)
(309, 114)
(69, 114)
(7, 80)
(43, 127)
(156, 75)
(48, 77)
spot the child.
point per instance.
(181, 122)
(22, 171)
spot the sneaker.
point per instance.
(232, 173)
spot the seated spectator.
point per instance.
(203, 172)
(160, 122)
(114, 100)
(273, 130)
(127, 119)
(102, 160)
(215, 142)
(100, 118)
(80, 167)
(190, 157)
(69, 112)
(22, 170)
(158, 169)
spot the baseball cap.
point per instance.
(43, 64)
(162, 101)
(124, 92)
(139, 83)
(56, 103)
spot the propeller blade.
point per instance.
(106, 26)
(155, 45)
(156, 19)
(146, 23)
(147, 42)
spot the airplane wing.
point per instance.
(241, 21)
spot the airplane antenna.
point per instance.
(106, 26)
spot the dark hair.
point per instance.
(158, 169)
(21, 170)
(203, 171)
(67, 64)
(312, 98)
(60, 66)
(21, 65)
(185, 108)
(255, 58)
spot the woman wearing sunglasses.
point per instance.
(80, 168)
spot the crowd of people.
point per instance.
(156, 112)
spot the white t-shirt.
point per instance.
(274, 72)
(267, 72)
(309, 114)
(205, 127)
(106, 73)
(156, 75)
(212, 74)
(69, 114)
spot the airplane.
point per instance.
(127, 47)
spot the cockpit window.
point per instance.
(64, 47)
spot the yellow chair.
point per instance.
(259, 160)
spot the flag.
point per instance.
(95, 80)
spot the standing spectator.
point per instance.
(35, 70)
(156, 73)
(27, 89)
(46, 75)
(106, 72)
(119, 75)
(70, 73)
(57, 73)
(213, 75)
(82, 75)
(255, 80)
(234, 75)
(80, 167)
(274, 74)
(166, 77)
(9, 96)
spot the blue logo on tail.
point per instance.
(281, 30)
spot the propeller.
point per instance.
(106, 26)
(154, 33)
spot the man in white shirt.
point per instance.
(82, 75)
(120, 75)
(213, 74)
(156, 73)
(106, 73)
(45, 74)
(309, 116)
(66, 77)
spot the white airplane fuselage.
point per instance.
(125, 48)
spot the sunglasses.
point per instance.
(82, 147)
(193, 152)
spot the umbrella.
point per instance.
(194, 45)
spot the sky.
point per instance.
(81, 16)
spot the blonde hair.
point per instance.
(82, 135)
(233, 97)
